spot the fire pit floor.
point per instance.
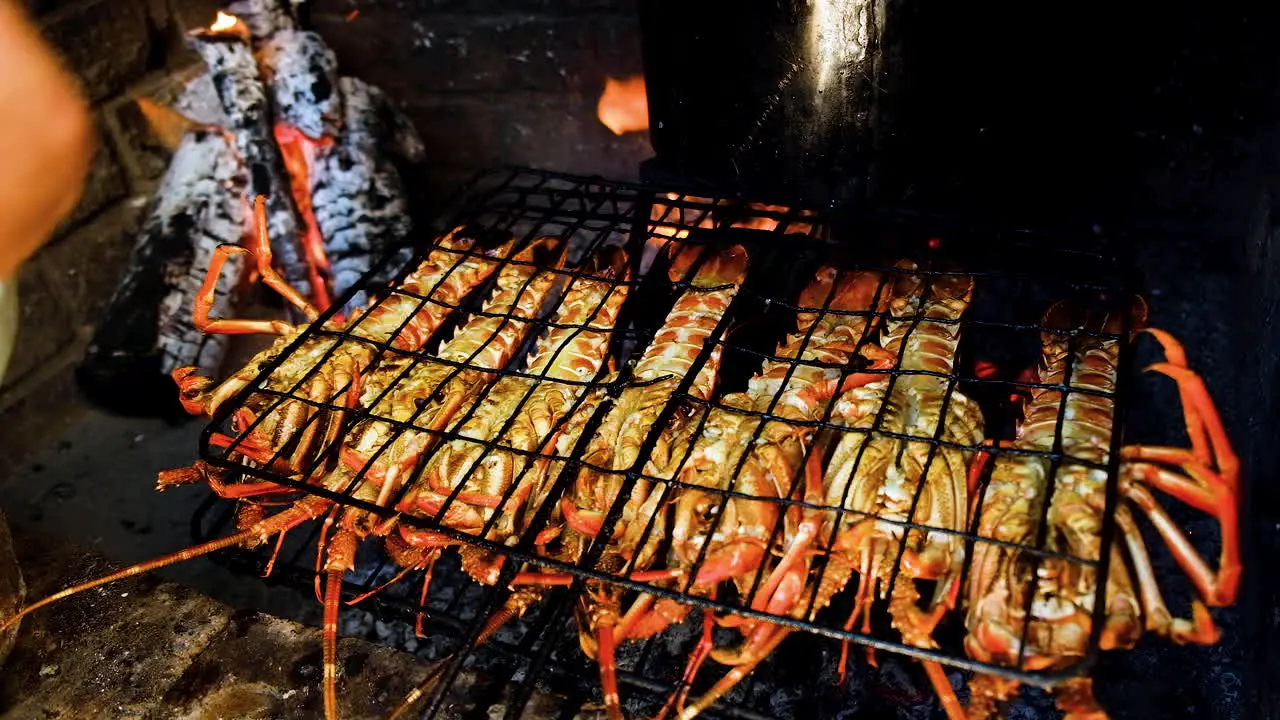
(201, 659)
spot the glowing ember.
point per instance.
(985, 369)
(167, 125)
(624, 106)
(224, 22)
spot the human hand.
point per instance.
(46, 139)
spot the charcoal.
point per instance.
(147, 331)
(244, 99)
(358, 195)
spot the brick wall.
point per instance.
(485, 81)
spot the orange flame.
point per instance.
(167, 125)
(624, 106)
(224, 22)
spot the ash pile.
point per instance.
(271, 116)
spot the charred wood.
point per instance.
(148, 330)
(358, 194)
(244, 100)
(341, 141)
(303, 73)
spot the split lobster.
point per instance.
(1061, 589)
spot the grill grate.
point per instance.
(1017, 275)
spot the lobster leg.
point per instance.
(764, 641)
(648, 616)
(202, 471)
(809, 526)
(917, 626)
(255, 452)
(1196, 397)
(421, 549)
(322, 544)
(1201, 486)
(1192, 390)
(978, 467)
(699, 655)
(861, 608)
(1200, 629)
(946, 694)
(1217, 589)
(855, 537)
(204, 303)
(428, 565)
(261, 248)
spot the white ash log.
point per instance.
(148, 330)
(205, 190)
(303, 74)
(354, 189)
(358, 195)
(244, 100)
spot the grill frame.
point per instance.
(630, 207)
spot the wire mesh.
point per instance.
(487, 484)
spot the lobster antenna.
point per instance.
(143, 567)
(292, 517)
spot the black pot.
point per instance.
(780, 99)
(1009, 111)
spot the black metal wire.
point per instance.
(1019, 273)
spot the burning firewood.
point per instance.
(359, 197)
(147, 331)
(271, 116)
(332, 133)
(244, 100)
(301, 73)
